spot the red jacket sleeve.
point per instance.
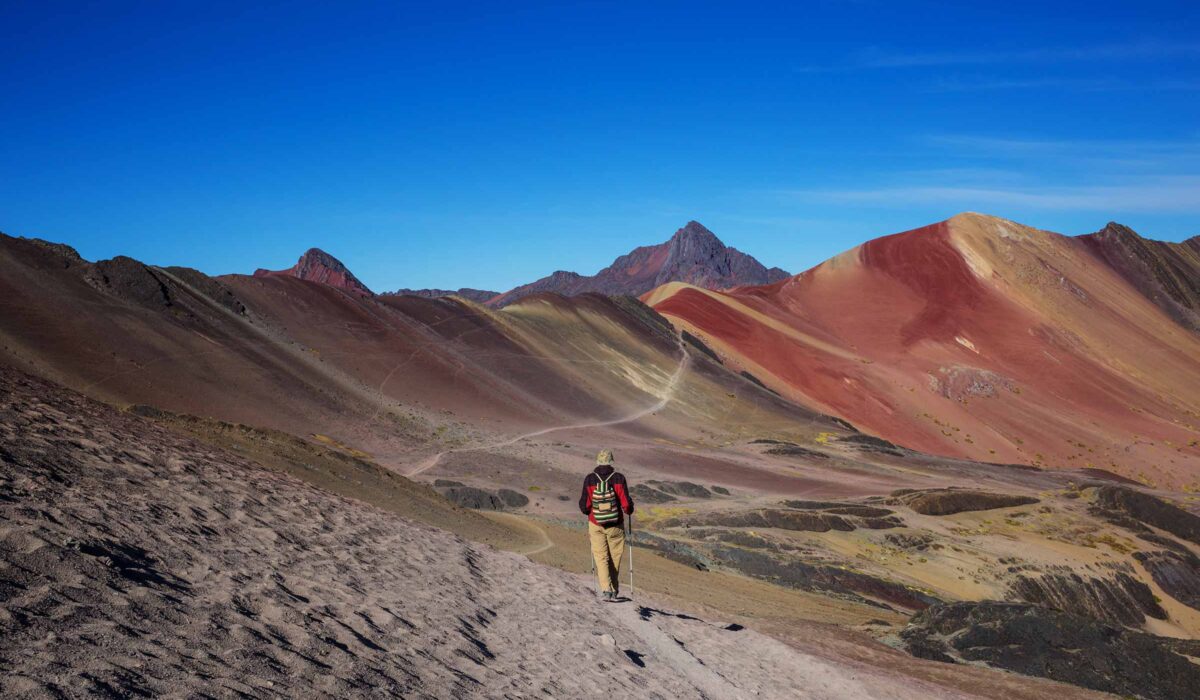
(623, 494)
(585, 499)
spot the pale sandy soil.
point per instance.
(136, 561)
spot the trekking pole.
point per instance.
(630, 538)
(592, 561)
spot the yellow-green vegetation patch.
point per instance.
(325, 439)
(664, 512)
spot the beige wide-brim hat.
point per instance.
(605, 457)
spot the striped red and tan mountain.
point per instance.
(981, 338)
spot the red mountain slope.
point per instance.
(975, 337)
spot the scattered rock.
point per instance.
(960, 383)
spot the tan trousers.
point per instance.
(608, 545)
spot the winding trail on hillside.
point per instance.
(668, 394)
(544, 541)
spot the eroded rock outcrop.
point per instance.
(1119, 600)
(479, 499)
(1037, 641)
(950, 501)
(834, 580)
(1176, 572)
(1149, 510)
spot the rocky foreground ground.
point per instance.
(136, 562)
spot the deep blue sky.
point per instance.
(448, 144)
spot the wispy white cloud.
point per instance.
(985, 83)
(876, 57)
(1163, 156)
(1168, 194)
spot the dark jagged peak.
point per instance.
(693, 232)
(693, 254)
(1167, 274)
(318, 266)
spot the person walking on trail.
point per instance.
(606, 500)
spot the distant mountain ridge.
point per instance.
(478, 296)
(318, 266)
(693, 255)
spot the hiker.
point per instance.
(604, 499)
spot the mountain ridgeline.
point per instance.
(693, 255)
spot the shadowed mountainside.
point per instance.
(1167, 273)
